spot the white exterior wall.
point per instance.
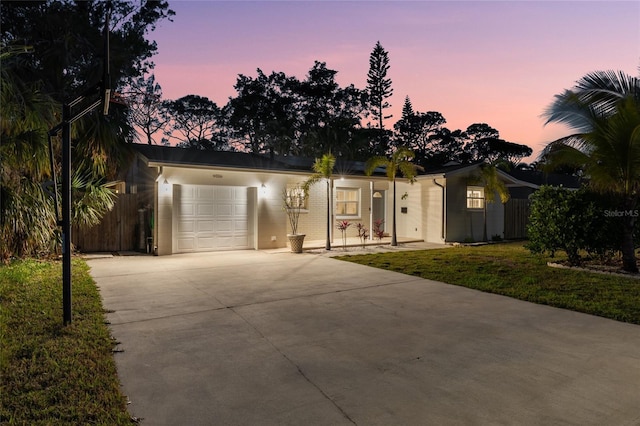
(495, 218)
(408, 225)
(462, 224)
(267, 219)
(467, 224)
(432, 217)
(313, 221)
(164, 218)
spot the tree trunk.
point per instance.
(629, 261)
(328, 243)
(394, 241)
(484, 225)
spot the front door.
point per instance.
(378, 209)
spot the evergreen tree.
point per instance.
(379, 90)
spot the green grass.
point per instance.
(52, 374)
(511, 270)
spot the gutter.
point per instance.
(443, 233)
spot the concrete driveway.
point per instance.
(257, 338)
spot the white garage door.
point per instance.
(210, 218)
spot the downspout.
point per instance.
(443, 233)
(370, 210)
(155, 212)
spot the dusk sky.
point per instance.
(499, 63)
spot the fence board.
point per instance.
(516, 218)
(116, 231)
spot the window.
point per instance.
(475, 197)
(347, 202)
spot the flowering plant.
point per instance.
(363, 233)
(378, 229)
(342, 226)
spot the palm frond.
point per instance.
(375, 162)
(91, 200)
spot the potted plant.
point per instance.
(294, 200)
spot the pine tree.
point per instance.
(379, 88)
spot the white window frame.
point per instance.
(358, 202)
(475, 198)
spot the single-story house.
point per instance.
(209, 200)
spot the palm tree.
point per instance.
(27, 211)
(26, 214)
(489, 179)
(323, 168)
(400, 161)
(604, 110)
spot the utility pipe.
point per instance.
(443, 233)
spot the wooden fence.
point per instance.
(116, 232)
(516, 218)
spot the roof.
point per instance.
(538, 178)
(451, 168)
(169, 155)
(188, 157)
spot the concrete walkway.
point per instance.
(257, 338)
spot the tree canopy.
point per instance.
(603, 109)
(52, 53)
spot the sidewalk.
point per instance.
(355, 246)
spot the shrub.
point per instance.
(378, 229)
(572, 221)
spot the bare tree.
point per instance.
(144, 99)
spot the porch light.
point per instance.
(377, 194)
(263, 189)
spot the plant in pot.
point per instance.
(294, 200)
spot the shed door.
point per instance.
(210, 218)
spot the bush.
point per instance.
(572, 221)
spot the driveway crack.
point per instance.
(297, 367)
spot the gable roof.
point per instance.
(455, 169)
(174, 156)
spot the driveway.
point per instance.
(258, 338)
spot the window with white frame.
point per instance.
(347, 202)
(475, 197)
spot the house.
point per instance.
(209, 200)
(460, 218)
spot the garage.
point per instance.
(209, 218)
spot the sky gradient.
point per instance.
(499, 63)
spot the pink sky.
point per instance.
(498, 63)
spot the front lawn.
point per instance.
(511, 270)
(52, 374)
